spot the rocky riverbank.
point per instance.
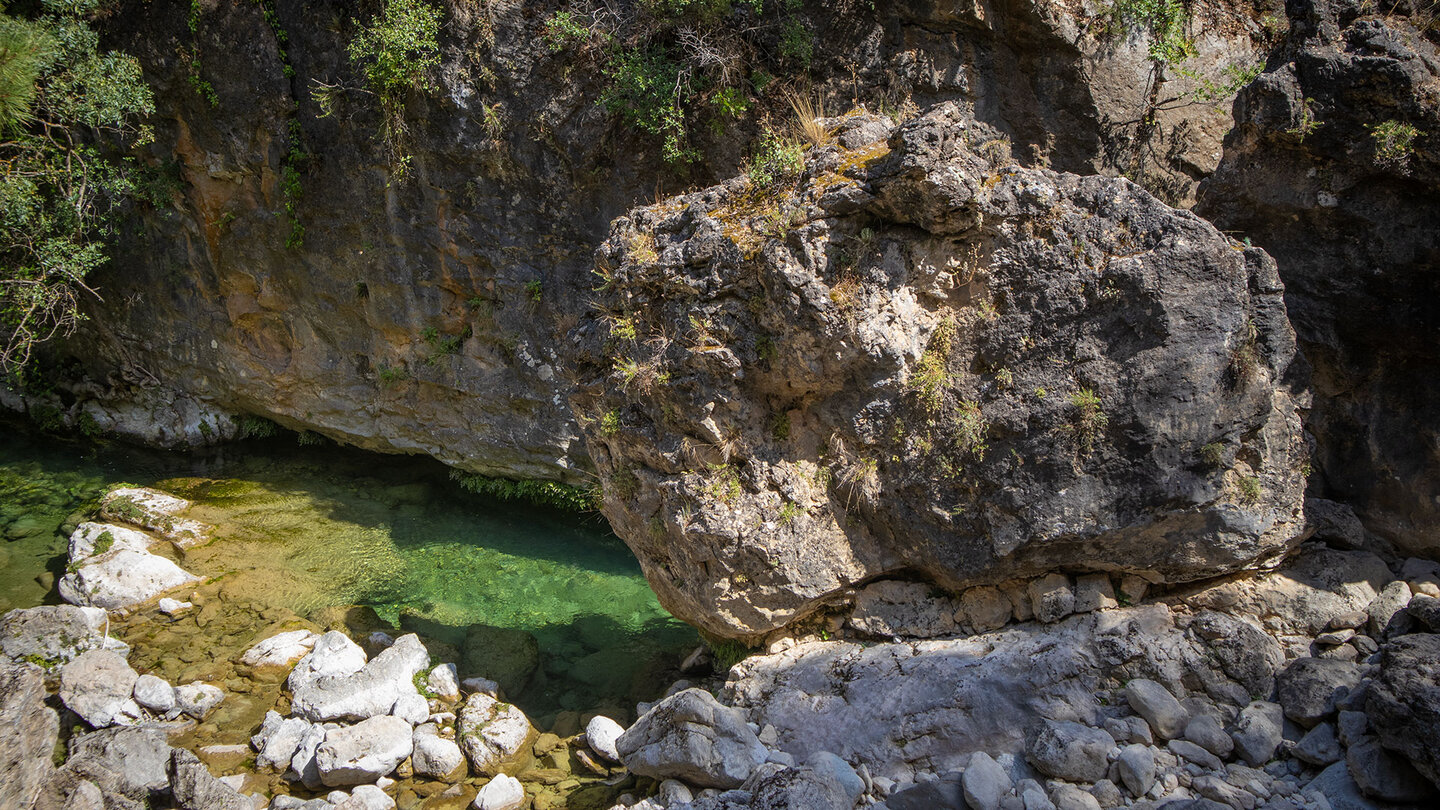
(1306, 687)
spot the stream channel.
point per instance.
(550, 604)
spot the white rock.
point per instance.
(493, 734)
(171, 607)
(1051, 598)
(412, 708)
(435, 756)
(367, 797)
(601, 733)
(1160, 709)
(986, 608)
(691, 736)
(197, 699)
(333, 654)
(368, 693)
(834, 768)
(984, 782)
(302, 765)
(280, 745)
(154, 694)
(501, 793)
(1094, 592)
(673, 791)
(92, 539)
(98, 685)
(121, 578)
(55, 634)
(443, 682)
(364, 752)
(381, 640)
(282, 649)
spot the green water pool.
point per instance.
(311, 528)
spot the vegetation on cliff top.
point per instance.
(63, 101)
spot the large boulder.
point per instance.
(691, 737)
(506, 655)
(370, 692)
(99, 686)
(1334, 169)
(435, 756)
(28, 732)
(50, 635)
(111, 568)
(921, 358)
(496, 737)
(364, 752)
(1071, 751)
(1403, 703)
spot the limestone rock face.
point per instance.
(28, 732)
(691, 737)
(320, 322)
(1307, 175)
(937, 363)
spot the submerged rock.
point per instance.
(157, 511)
(691, 737)
(1023, 369)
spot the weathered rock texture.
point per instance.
(516, 172)
(1307, 176)
(28, 731)
(922, 360)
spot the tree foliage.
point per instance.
(61, 98)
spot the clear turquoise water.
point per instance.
(310, 528)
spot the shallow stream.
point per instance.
(305, 532)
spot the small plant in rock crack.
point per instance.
(1090, 419)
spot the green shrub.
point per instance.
(776, 159)
(397, 48)
(57, 191)
(646, 88)
(1164, 20)
(1394, 141)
